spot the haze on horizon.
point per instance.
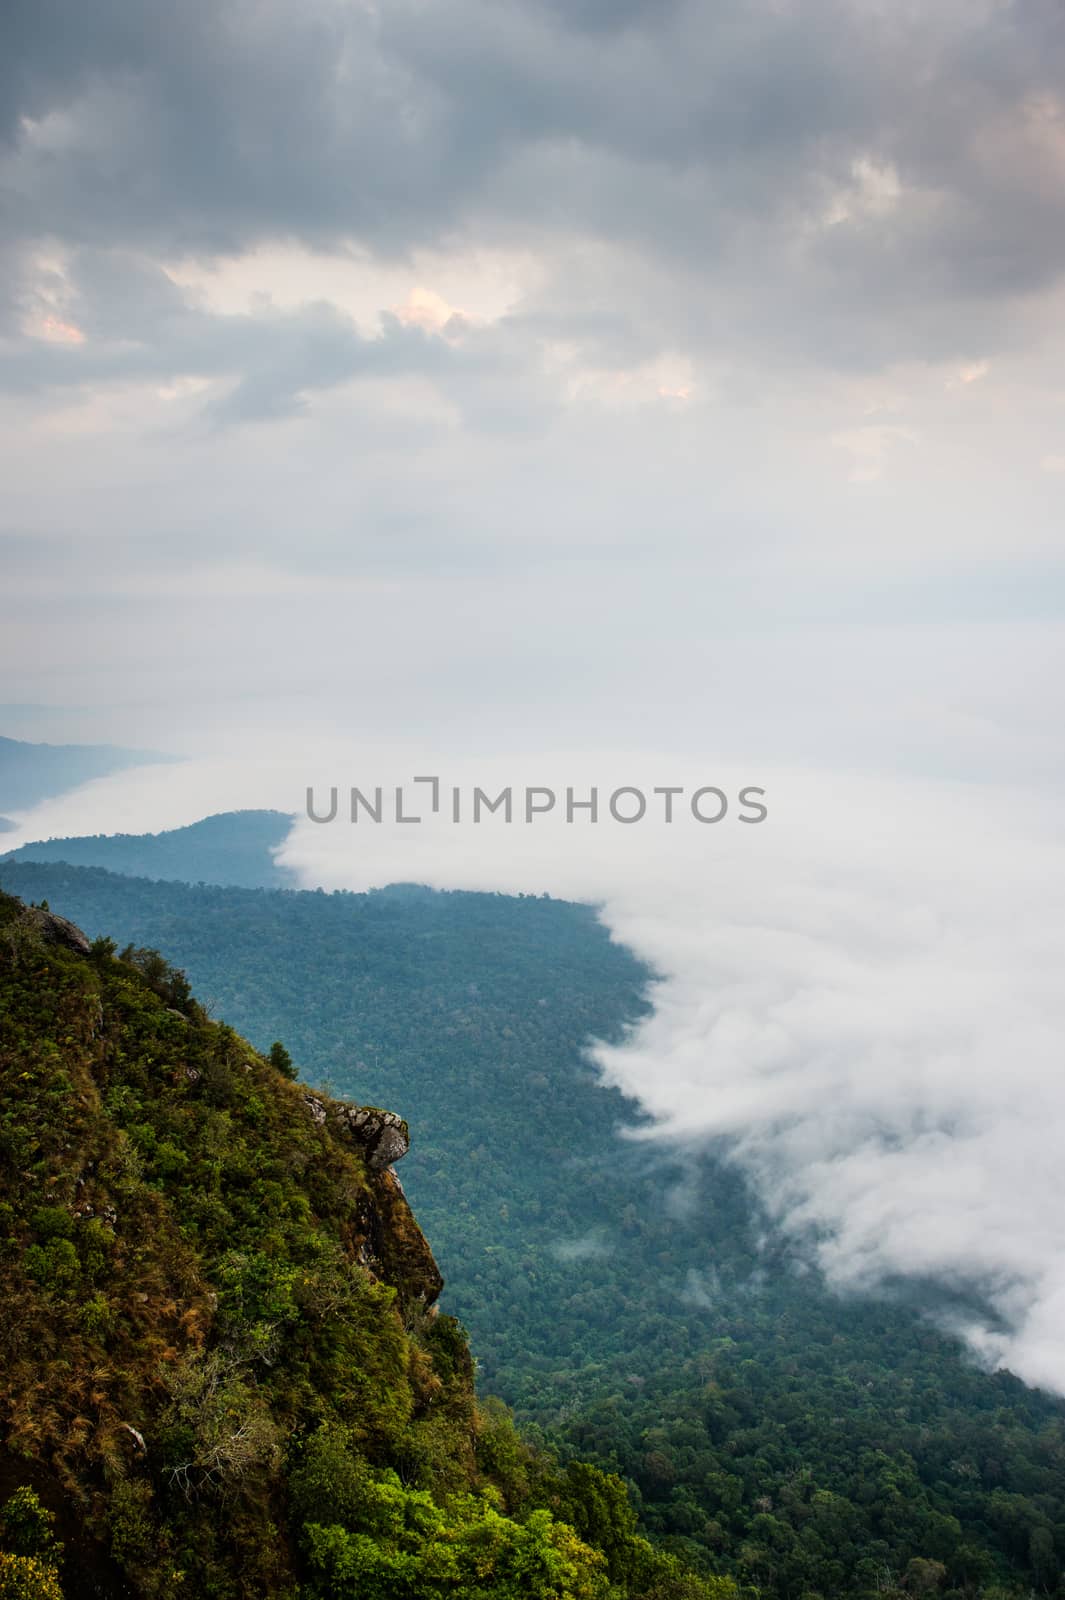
(616, 387)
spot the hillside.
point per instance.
(221, 1368)
(231, 848)
(628, 1299)
(33, 772)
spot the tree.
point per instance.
(280, 1058)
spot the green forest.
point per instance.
(232, 847)
(628, 1301)
(222, 1369)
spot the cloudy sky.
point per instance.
(696, 365)
(519, 381)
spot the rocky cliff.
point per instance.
(199, 1257)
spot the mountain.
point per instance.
(233, 847)
(628, 1299)
(30, 773)
(222, 1371)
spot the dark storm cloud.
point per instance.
(208, 126)
(849, 182)
(609, 16)
(217, 123)
(211, 126)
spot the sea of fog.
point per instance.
(859, 998)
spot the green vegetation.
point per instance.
(628, 1301)
(30, 1553)
(28, 1578)
(223, 1374)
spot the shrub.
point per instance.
(54, 1265)
(26, 1526)
(216, 1429)
(28, 1578)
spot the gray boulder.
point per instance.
(383, 1136)
(56, 930)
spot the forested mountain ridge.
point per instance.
(234, 847)
(221, 1371)
(33, 772)
(629, 1299)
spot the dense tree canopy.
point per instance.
(627, 1300)
(220, 1364)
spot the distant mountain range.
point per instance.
(30, 773)
(233, 847)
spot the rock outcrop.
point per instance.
(55, 930)
(392, 1246)
(381, 1136)
(384, 1136)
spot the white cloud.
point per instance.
(860, 997)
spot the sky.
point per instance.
(591, 393)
